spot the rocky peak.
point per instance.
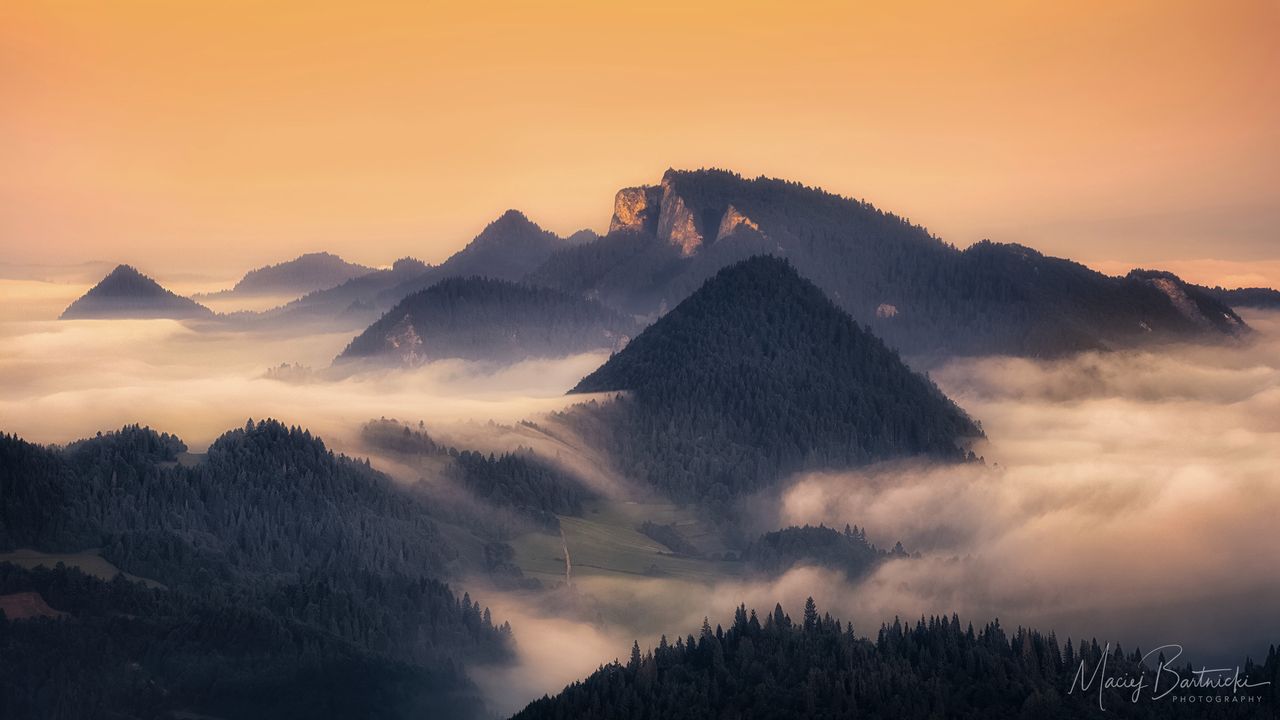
(732, 220)
(1201, 310)
(404, 343)
(676, 222)
(635, 209)
(661, 210)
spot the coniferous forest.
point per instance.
(293, 583)
(754, 376)
(698, 360)
(767, 340)
(815, 666)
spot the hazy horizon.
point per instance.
(377, 493)
(1141, 134)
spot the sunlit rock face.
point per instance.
(1183, 304)
(732, 220)
(405, 343)
(636, 209)
(658, 210)
(1202, 312)
(676, 223)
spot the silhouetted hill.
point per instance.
(921, 295)
(755, 375)
(354, 303)
(122, 650)
(582, 237)
(1259, 298)
(127, 293)
(817, 667)
(507, 249)
(274, 534)
(486, 319)
(304, 274)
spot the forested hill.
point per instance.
(354, 303)
(303, 274)
(1259, 298)
(776, 552)
(817, 668)
(921, 295)
(756, 375)
(123, 651)
(507, 249)
(271, 521)
(479, 318)
(519, 480)
(127, 293)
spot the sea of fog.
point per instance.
(1130, 496)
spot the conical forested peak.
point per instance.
(510, 225)
(126, 280)
(748, 313)
(508, 248)
(512, 217)
(758, 374)
(125, 292)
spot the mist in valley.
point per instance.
(1129, 496)
(1126, 496)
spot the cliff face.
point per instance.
(676, 223)
(1200, 309)
(732, 220)
(660, 210)
(404, 343)
(636, 209)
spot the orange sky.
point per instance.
(214, 136)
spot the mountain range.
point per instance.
(923, 296)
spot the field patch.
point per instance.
(90, 562)
(605, 542)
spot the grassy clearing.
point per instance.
(605, 542)
(89, 562)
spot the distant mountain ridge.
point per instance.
(303, 274)
(1259, 298)
(351, 304)
(922, 295)
(127, 293)
(479, 318)
(507, 249)
(756, 375)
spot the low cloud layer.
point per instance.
(1130, 495)
(67, 379)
